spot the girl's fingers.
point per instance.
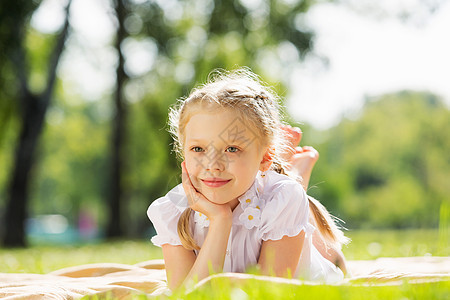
(191, 192)
(184, 174)
(197, 201)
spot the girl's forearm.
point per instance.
(211, 256)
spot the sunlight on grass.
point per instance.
(367, 244)
(224, 288)
(44, 259)
(364, 245)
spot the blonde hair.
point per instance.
(256, 104)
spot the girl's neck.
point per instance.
(233, 203)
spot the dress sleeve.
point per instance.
(286, 213)
(164, 215)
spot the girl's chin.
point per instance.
(216, 198)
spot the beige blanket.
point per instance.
(123, 281)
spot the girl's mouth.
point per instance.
(215, 182)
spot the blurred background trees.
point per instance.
(31, 104)
(102, 161)
(387, 167)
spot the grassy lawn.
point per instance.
(395, 243)
(364, 245)
(261, 290)
(46, 258)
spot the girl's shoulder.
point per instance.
(276, 204)
(272, 186)
(273, 192)
(274, 180)
(164, 213)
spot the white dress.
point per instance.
(273, 207)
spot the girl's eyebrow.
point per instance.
(239, 143)
(195, 140)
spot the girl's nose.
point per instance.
(216, 162)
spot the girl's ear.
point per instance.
(267, 159)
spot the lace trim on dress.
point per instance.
(279, 234)
(158, 240)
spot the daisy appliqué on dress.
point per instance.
(251, 204)
(201, 219)
(250, 217)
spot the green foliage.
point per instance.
(72, 170)
(387, 167)
(39, 48)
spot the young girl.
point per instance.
(236, 207)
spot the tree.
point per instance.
(32, 107)
(115, 194)
(388, 167)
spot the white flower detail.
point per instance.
(246, 202)
(250, 217)
(201, 219)
(251, 201)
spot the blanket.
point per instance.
(120, 281)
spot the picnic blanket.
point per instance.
(120, 281)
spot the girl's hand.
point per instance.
(198, 202)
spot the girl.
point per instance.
(236, 208)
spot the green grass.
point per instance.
(253, 289)
(43, 259)
(364, 245)
(395, 243)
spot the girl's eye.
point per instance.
(232, 149)
(197, 149)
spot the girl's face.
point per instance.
(222, 154)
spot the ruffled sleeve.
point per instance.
(164, 214)
(286, 212)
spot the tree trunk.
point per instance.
(115, 191)
(24, 157)
(33, 108)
